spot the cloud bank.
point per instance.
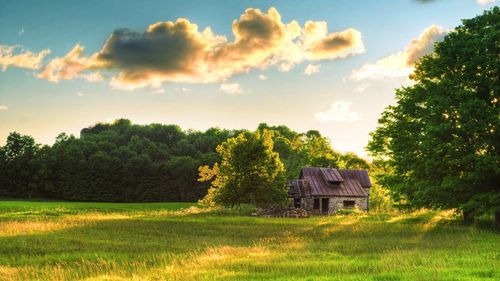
(179, 52)
(402, 63)
(22, 59)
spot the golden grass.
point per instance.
(46, 224)
(198, 244)
(26, 227)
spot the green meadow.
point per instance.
(179, 241)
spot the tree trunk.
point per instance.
(497, 219)
(468, 217)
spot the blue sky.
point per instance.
(341, 95)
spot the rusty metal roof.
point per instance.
(332, 182)
(360, 175)
(331, 175)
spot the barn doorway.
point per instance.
(296, 202)
(316, 204)
(325, 205)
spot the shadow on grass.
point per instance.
(253, 247)
(133, 238)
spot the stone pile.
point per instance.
(281, 212)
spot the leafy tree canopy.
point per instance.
(125, 162)
(249, 172)
(441, 140)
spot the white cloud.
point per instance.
(401, 64)
(311, 69)
(158, 91)
(80, 94)
(361, 87)
(231, 88)
(92, 77)
(485, 2)
(72, 65)
(21, 32)
(178, 51)
(262, 77)
(338, 112)
(3, 108)
(22, 59)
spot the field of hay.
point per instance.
(179, 241)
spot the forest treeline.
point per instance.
(125, 162)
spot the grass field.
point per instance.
(170, 241)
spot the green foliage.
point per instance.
(20, 167)
(124, 162)
(299, 150)
(249, 172)
(118, 162)
(441, 140)
(380, 196)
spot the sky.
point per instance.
(331, 66)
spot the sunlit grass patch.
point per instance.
(221, 261)
(206, 244)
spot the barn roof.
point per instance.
(316, 181)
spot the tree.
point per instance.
(20, 167)
(350, 160)
(249, 172)
(442, 137)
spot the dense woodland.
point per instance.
(124, 162)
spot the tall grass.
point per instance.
(141, 242)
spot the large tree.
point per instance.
(249, 172)
(20, 167)
(442, 137)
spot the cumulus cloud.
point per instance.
(71, 66)
(401, 64)
(338, 112)
(311, 69)
(485, 2)
(262, 77)
(179, 52)
(22, 59)
(321, 45)
(3, 108)
(231, 88)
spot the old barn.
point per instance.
(327, 190)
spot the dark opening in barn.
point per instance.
(296, 202)
(349, 204)
(316, 204)
(325, 205)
